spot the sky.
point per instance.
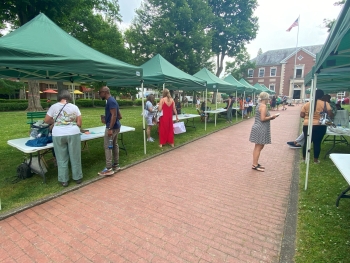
(275, 17)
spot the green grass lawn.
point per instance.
(32, 189)
(323, 231)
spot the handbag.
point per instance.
(179, 127)
(324, 118)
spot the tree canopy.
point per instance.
(174, 29)
(234, 26)
(239, 67)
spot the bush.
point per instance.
(125, 102)
(13, 101)
(138, 102)
(13, 106)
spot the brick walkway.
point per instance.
(209, 207)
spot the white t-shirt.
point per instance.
(66, 122)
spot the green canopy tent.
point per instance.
(248, 87)
(40, 50)
(216, 84)
(262, 87)
(159, 72)
(230, 79)
(331, 69)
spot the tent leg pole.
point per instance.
(143, 119)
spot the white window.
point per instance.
(299, 72)
(272, 87)
(261, 72)
(250, 73)
(273, 72)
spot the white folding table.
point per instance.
(94, 133)
(342, 162)
(186, 117)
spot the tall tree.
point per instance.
(234, 26)
(239, 67)
(178, 30)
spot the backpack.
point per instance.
(23, 172)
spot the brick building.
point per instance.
(275, 68)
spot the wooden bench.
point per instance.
(35, 115)
(342, 161)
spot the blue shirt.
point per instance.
(111, 103)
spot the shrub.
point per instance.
(13, 106)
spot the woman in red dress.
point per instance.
(166, 130)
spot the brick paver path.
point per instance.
(199, 203)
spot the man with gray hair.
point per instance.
(111, 133)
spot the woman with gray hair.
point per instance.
(67, 121)
(261, 134)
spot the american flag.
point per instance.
(296, 23)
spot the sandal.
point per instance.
(258, 168)
(261, 166)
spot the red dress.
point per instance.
(166, 130)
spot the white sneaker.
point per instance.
(150, 140)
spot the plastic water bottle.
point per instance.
(110, 143)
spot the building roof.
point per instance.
(274, 57)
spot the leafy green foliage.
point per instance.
(9, 87)
(239, 67)
(175, 29)
(234, 26)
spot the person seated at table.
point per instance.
(338, 106)
(203, 109)
(177, 105)
(185, 101)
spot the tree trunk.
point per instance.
(34, 103)
(60, 87)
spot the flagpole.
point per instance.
(295, 57)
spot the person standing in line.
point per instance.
(166, 129)
(66, 120)
(111, 132)
(229, 109)
(250, 107)
(318, 131)
(177, 105)
(284, 103)
(273, 102)
(241, 105)
(198, 103)
(149, 117)
(261, 131)
(278, 101)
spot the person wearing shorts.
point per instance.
(149, 117)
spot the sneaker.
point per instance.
(150, 140)
(116, 167)
(106, 172)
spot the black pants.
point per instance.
(318, 131)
